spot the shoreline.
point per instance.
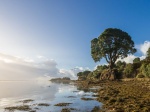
(127, 95)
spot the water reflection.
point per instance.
(45, 92)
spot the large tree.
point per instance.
(112, 44)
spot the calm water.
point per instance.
(11, 92)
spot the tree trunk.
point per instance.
(112, 75)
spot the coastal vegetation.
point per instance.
(125, 96)
(114, 44)
(119, 86)
(64, 80)
(125, 87)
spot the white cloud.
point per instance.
(42, 57)
(144, 47)
(72, 73)
(18, 68)
(99, 65)
(128, 59)
(142, 57)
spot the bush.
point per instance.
(136, 60)
(128, 71)
(145, 69)
(140, 76)
(83, 75)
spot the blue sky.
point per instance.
(62, 29)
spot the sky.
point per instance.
(52, 37)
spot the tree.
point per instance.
(83, 75)
(148, 52)
(128, 71)
(136, 60)
(120, 66)
(112, 44)
(100, 68)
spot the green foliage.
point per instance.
(83, 74)
(145, 69)
(90, 75)
(120, 65)
(112, 44)
(136, 60)
(101, 68)
(93, 75)
(140, 75)
(79, 74)
(96, 73)
(128, 71)
(148, 52)
(136, 65)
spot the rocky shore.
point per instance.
(130, 95)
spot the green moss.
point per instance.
(95, 109)
(62, 104)
(65, 110)
(126, 96)
(21, 108)
(27, 101)
(43, 104)
(87, 99)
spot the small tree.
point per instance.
(112, 44)
(83, 75)
(145, 69)
(136, 60)
(100, 68)
(120, 66)
(128, 71)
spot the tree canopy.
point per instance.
(112, 44)
(136, 60)
(83, 74)
(148, 52)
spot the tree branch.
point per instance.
(106, 59)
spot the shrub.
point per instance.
(136, 60)
(145, 69)
(128, 71)
(140, 76)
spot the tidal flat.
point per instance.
(45, 96)
(122, 95)
(104, 96)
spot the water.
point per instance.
(41, 91)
